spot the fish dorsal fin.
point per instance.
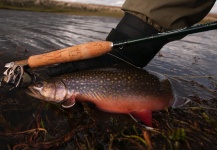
(145, 116)
(69, 102)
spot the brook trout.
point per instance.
(124, 90)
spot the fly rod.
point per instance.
(15, 70)
(95, 49)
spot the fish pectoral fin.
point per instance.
(69, 102)
(144, 116)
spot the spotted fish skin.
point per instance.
(125, 90)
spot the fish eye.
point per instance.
(39, 84)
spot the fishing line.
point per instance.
(124, 61)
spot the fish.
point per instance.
(123, 90)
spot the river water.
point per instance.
(190, 64)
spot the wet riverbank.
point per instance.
(26, 122)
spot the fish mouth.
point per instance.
(33, 92)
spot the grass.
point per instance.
(209, 18)
(85, 127)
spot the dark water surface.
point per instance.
(190, 64)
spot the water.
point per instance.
(190, 64)
(105, 2)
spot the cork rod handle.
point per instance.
(78, 52)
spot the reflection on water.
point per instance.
(190, 64)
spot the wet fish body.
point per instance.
(125, 90)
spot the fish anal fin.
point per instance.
(145, 116)
(69, 102)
